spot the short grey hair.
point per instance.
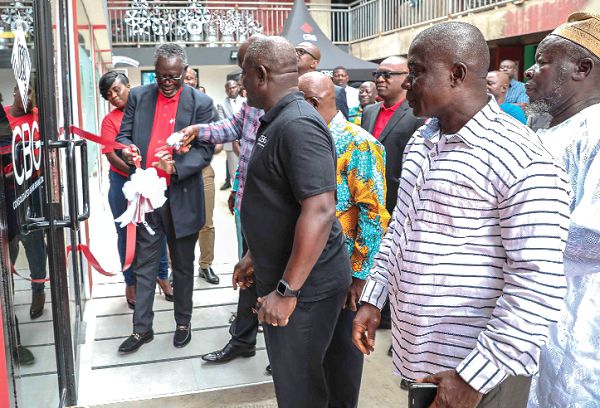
(168, 51)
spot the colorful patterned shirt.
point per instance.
(242, 126)
(360, 192)
(355, 115)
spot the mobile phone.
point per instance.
(421, 395)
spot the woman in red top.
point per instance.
(24, 121)
(114, 87)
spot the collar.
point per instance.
(393, 108)
(487, 114)
(280, 105)
(338, 123)
(174, 98)
(513, 82)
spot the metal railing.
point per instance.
(224, 23)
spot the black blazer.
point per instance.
(394, 138)
(186, 190)
(341, 102)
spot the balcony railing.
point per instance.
(224, 23)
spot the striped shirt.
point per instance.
(472, 260)
(241, 126)
(516, 92)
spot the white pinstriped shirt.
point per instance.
(472, 259)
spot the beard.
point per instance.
(549, 103)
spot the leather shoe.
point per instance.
(130, 296)
(167, 289)
(228, 353)
(37, 305)
(225, 185)
(183, 335)
(209, 275)
(135, 341)
(268, 370)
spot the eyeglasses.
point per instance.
(164, 79)
(387, 74)
(301, 51)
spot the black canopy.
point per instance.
(300, 26)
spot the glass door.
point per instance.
(42, 291)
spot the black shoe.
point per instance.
(135, 341)
(183, 335)
(268, 370)
(209, 275)
(37, 305)
(228, 353)
(404, 384)
(225, 185)
(390, 353)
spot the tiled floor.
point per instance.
(159, 375)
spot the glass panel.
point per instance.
(32, 337)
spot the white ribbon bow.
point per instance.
(145, 192)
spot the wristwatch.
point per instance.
(283, 289)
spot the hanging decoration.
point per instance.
(194, 23)
(17, 12)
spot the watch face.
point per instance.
(281, 288)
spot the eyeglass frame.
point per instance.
(301, 51)
(161, 80)
(387, 74)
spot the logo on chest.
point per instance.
(262, 140)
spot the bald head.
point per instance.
(270, 71)
(448, 65)
(309, 56)
(455, 42)
(319, 91)
(497, 84)
(244, 47)
(389, 77)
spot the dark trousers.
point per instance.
(244, 328)
(314, 362)
(118, 205)
(512, 392)
(148, 250)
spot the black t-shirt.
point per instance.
(293, 159)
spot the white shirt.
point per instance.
(351, 97)
(472, 259)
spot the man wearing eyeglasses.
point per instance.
(309, 56)
(152, 114)
(391, 122)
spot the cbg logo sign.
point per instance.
(26, 152)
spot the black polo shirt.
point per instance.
(293, 159)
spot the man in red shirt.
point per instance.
(152, 114)
(114, 87)
(391, 122)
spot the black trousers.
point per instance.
(314, 363)
(147, 256)
(244, 328)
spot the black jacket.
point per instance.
(394, 138)
(186, 190)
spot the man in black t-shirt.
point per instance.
(296, 250)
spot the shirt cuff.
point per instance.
(480, 373)
(374, 293)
